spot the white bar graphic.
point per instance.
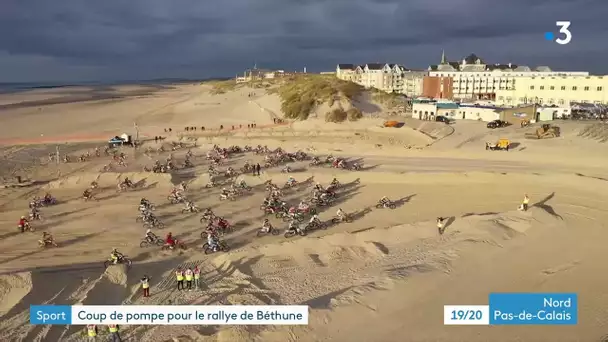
(190, 314)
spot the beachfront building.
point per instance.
(392, 78)
(473, 78)
(255, 74)
(428, 109)
(556, 90)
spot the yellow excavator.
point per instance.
(546, 131)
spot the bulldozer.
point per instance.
(546, 131)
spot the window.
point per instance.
(563, 87)
(551, 88)
(561, 101)
(586, 88)
(500, 97)
(574, 88)
(531, 87)
(599, 88)
(542, 87)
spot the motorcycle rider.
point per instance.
(87, 194)
(266, 226)
(151, 237)
(144, 202)
(35, 213)
(47, 238)
(287, 168)
(190, 206)
(208, 213)
(170, 241)
(291, 180)
(23, 223)
(384, 200)
(127, 182)
(222, 223)
(243, 184)
(319, 187)
(314, 220)
(48, 199)
(115, 256)
(341, 214)
(341, 164)
(335, 182)
(293, 226)
(212, 240)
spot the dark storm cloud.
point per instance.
(195, 38)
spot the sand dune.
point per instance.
(383, 277)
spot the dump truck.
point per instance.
(546, 131)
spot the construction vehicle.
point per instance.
(546, 131)
(500, 145)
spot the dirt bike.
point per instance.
(175, 199)
(290, 185)
(123, 187)
(322, 202)
(146, 242)
(211, 185)
(293, 232)
(286, 170)
(355, 167)
(388, 204)
(35, 217)
(90, 197)
(231, 197)
(178, 245)
(47, 243)
(297, 217)
(337, 220)
(122, 260)
(26, 227)
(155, 223)
(307, 211)
(207, 217)
(315, 225)
(315, 162)
(221, 247)
(191, 210)
(271, 231)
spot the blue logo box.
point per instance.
(533, 308)
(51, 314)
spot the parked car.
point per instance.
(443, 119)
(497, 124)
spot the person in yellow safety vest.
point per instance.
(115, 337)
(92, 332)
(197, 278)
(525, 202)
(179, 275)
(189, 276)
(145, 285)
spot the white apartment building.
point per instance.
(386, 77)
(556, 90)
(474, 79)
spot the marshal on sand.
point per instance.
(384, 275)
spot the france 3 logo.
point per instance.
(564, 30)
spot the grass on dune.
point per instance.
(300, 94)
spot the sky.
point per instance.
(111, 40)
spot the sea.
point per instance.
(15, 87)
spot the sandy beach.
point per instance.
(383, 277)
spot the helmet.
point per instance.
(265, 220)
(148, 231)
(114, 250)
(22, 217)
(169, 234)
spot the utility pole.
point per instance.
(136, 132)
(57, 154)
